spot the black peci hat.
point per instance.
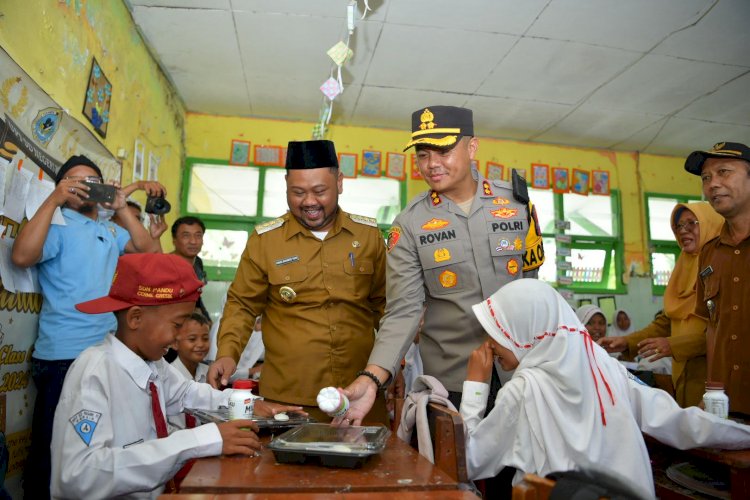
(440, 126)
(694, 162)
(311, 154)
(75, 161)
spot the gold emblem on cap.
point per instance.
(718, 146)
(355, 244)
(287, 294)
(426, 119)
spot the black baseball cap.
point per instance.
(694, 162)
(440, 126)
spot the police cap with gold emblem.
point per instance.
(440, 126)
(302, 155)
(694, 162)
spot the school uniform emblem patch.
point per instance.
(84, 422)
(448, 279)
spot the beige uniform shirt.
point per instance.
(323, 334)
(440, 255)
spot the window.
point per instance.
(663, 248)
(595, 249)
(231, 200)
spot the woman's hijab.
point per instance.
(615, 330)
(679, 296)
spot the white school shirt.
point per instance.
(176, 422)
(254, 350)
(104, 441)
(494, 442)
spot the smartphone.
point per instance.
(100, 193)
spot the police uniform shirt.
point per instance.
(451, 260)
(104, 441)
(321, 302)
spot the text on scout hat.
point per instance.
(440, 126)
(147, 279)
(311, 154)
(695, 160)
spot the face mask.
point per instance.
(105, 213)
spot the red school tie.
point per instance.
(159, 420)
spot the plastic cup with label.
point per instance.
(332, 402)
(242, 400)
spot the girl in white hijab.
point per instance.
(568, 404)
(621, 324)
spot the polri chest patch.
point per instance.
(84, 422)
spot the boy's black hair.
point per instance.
(199, 318)
(188, 220)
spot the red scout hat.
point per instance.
(147, 279)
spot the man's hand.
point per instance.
(152, 188)
(613, 344)
(157, 227)
(654, 349)
(267, 409)
(220, 371)
(70, 192)
(361, 394)
(480, 363)
(239, 437)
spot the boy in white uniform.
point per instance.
(191, 345)
(117, 393)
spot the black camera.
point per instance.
(157, 205)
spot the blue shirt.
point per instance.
(78, 263)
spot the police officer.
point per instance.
(450, 248)
(317, 274)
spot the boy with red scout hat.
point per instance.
(110, 433)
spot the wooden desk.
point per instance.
(398, 468)
(662, 456)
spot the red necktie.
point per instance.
(159, 420)
(189, 421)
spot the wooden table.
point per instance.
(398, 468)
(662, 456)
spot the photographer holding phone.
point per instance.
(75, 263)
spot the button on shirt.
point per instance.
(104, 441)
(77, 264)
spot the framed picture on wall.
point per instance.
(580, 182)
(267, 155)
(240, 153)
(371, 163)
(98, 98)
(560, 180)
(495, 171)
(138, 157)
(519, 171)
(348, 165)
(416, 175)
(539, 176)
(153, 167)
(395, 166)
(600, 182)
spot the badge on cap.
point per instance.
(287, 294)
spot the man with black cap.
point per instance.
(317, 275)
(450, 248)
(75, 263)
(723, 290)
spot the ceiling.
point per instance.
(656, 76)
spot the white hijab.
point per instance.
(575, 402)
(615, 330)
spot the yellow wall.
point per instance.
(208, 136)
(54, 42)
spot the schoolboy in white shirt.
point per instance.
(110, 434)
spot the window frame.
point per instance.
(241, 222)
(662, 246)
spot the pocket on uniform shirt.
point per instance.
(290, 275)
(444, 267)
(359, 276)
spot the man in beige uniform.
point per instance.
(317, 274)
(451, 247)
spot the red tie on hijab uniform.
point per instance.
(161, 431)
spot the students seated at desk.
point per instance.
(109, 434)
(568, 404)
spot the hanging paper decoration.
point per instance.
(340, 53)
(330, 88)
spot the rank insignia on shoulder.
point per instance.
(500, 201)
(361, 219)
(435, 198)
(486, 188)
(269, 225)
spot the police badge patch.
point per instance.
(84, 422)
(393, 236)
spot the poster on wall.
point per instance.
(560, 180)
(138, 154)
(98, 97)
(239, 153)
(495, 171)
(600, 182)
(395, 167)
(416, 175)
(539, 176)
(348, 165)
(153, 167)
(36, 137)
(371, 161)
(580, 184)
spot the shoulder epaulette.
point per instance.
(421, 196)
(501, 184)
(361, 219)
(269, 225)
